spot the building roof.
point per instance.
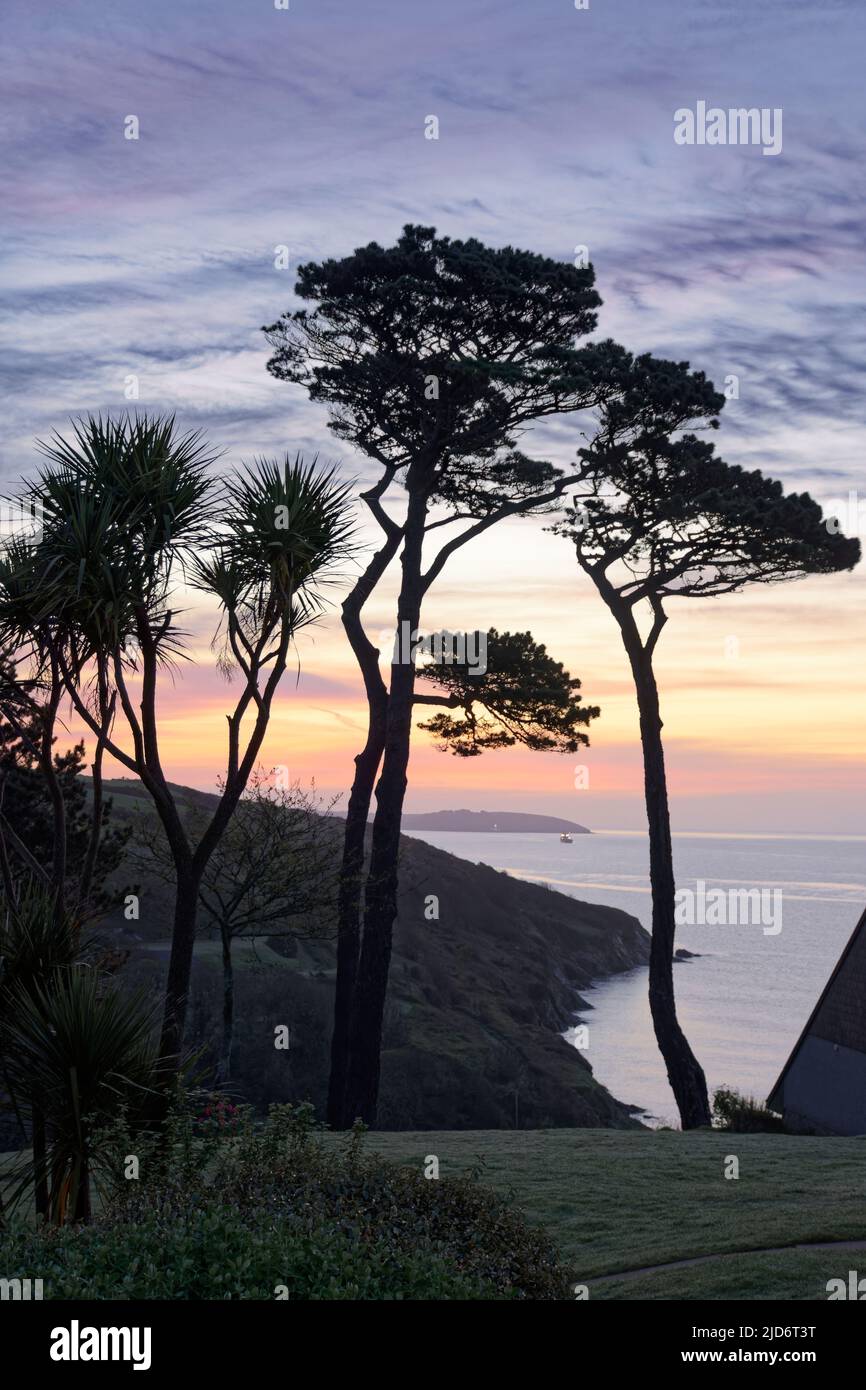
(840, 1013)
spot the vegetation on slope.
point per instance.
(478, 997)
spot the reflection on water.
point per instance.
(745, 996)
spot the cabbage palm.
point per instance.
(35, 945)
(131, 510)
(31, 688)
(81, 1051)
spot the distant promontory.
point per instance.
(505, 822)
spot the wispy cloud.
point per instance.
(153, 258)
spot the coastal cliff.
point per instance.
(486, 974)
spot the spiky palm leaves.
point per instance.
(36, 944)
(129, 510)
(124, 505)
(33, 944)
(74, 1051)
(34, 947)
(284, 529)
(80, 1051)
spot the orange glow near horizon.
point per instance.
(761, 695)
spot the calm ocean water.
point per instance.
(745, 999)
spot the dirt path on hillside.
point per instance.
(728, 1255)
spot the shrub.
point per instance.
(743, 1114)
(233, 1211)
(212, 1253)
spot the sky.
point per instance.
(151, 263)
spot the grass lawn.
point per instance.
(246, 952)
(619, 1201)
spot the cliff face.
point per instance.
(486, 973)
(483, 993)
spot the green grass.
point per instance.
(246, 952)
(619, 1200)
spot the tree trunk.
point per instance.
(40, 1151)
(354, 842)
(224, 1065)
(380, 902)
(61, 1181)
(87, 873)
(685, 1073)
(179, 970)
(349, 911)
(81, 1212)
(55, 792)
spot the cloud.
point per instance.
(155, 258)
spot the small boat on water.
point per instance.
(565, 838)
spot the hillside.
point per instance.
(502, 822)
(476, 1001)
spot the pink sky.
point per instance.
(153, 260)
(762, 697)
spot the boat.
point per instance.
(565, 838)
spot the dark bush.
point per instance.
(213, 1253)
(228, 1208)
(744, 1114)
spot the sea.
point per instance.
(748, 988)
